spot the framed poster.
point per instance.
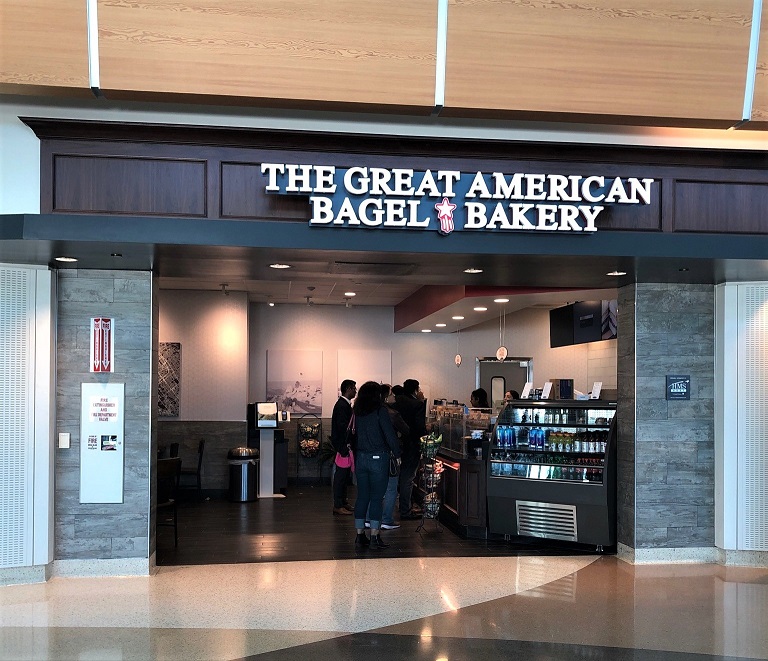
(295, 380)
(169, 380)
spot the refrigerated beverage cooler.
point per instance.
(552, 471)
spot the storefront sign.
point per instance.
(449, 200)
(102, 345)
(678, 387)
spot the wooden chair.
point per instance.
(195, 471)
(168, 471)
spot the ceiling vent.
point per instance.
(372, 268)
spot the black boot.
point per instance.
(377, 543)
(361, 540)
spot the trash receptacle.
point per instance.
(243, 474)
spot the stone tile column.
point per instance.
(106, 538)
(666, 448)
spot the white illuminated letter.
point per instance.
(511, 190)
(519, 221)
(324, 182)
(499, 217)
(377, 214)
(590, 214)
(449, 177)
(617, 192)
(349, 183)
(427, 186)
(322, 212)
(535, 184)
(547, 217)
(347, 212)
(403, 180)
(475, 215)
(641, 188)
(299, 179)
(271, 170)
(586, 193)
(568, 216)
(478, 187)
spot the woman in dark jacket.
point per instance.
(376, 438)
(402, 430)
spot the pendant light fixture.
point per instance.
(457, 357)
(501, 352)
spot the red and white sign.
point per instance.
(102, 344)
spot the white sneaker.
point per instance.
(390, 526)
(367, 524)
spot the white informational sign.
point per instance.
(546, 390)
(596, 388)
(102, 442)
(526, 390)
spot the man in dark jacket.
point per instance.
(413, 408)
(342, 414)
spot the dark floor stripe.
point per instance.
(381, 647)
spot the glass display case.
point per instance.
(551, 442)
(463, 430)
(551, 471)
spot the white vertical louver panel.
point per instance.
(17, 296)
(753, 436)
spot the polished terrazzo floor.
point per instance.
(441, 609)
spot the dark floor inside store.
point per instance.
(302, 526)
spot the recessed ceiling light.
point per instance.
(279, 266)
(271, 304)
(426, 330)
(683, 269)
(501, 300)
(440, 325)
(66, 259)
(349, 293)
(473, 270)
(116, 254)
(457, 318)
(480, 309)
(617, 273)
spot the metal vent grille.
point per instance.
(550, 520)
(753, 453)
(16, 352)
(372, 268)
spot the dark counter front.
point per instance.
(464, 496)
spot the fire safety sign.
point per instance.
(102, 344)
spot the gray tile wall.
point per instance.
(670, 443)
(84, 531)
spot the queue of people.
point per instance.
(384, 421)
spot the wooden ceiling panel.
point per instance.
(300, 51)
(676, 59)
(43, 47)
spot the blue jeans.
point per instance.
(372, 470)
(390, 498)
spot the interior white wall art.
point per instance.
(295, 380)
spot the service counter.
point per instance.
(464, 455)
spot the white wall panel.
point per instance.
(17, 313)
(753, 418)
